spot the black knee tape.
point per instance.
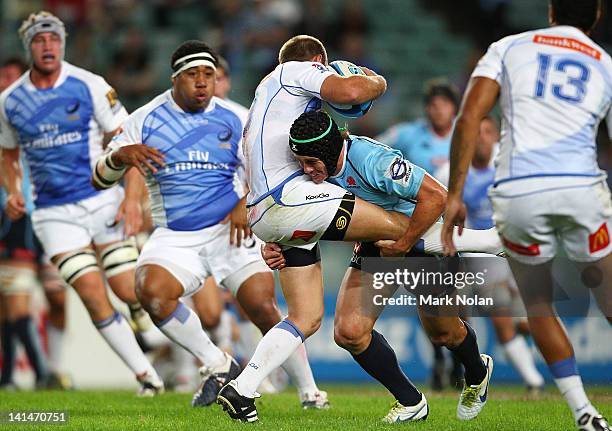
(340, 223)
(295, 257)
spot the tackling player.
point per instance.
(185, 143)
(555, 86)
(57, 115)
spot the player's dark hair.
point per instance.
(17, 62)
(577, 13)
(301, 48)
(316, 134)
(441, 87)
(191, 47)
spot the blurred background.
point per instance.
(129, 42)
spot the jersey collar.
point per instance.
(29, 85)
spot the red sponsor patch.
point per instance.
(568, 43)
(600, 239)
(351, 181)
(530, 250)
(305, 235)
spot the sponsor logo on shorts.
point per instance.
(568, 43)
(341, 223)
(600, 239)
(319, 196)
(530, 250)
(305, 235)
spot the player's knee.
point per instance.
(265, 315)
(350, 335)
(308, 325)
(210, 320)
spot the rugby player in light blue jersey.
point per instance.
(57, 114)
(381, 175)
(185, 142)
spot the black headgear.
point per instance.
(315, 134)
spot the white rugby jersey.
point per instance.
(290, 90)
(60, 131)
(556, 87)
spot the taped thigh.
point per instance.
(119, 257)
(74, 265)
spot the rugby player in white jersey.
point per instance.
(58, 114)
(554, 86)
(185, 142)
(286, 207)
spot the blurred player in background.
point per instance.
(19, 255)
(554, 87)
(198, 205)
(426, 143)
(58, 114)
(508, 308)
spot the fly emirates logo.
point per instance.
(198, 160)
(49, 141)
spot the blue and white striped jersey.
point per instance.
(198, 187)
(60, 131)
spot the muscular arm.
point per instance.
(11, 181)
(354, 89)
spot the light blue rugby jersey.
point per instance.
(199, 186)
(379, 174)
(476, 198)
(60, 131)
(418, 144)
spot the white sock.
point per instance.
(118, 334)
(573, 391)
(249, 337)
(298, 369)
(520, 357)
(273, 349)
(222, 333)
(185, 367)
(471, 240)
(184, 328)
(55, 343)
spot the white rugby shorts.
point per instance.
(70, 227)
(535, 217)
(299, 215)
(192, 256)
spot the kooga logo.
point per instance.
(319, 196)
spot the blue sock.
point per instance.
(380, 362)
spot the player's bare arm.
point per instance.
(139, 156)
(12, 179)
(479, 99)
(431, 200)
(353, 89)
(130, 210)
(239, 225)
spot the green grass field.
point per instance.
(353, 408)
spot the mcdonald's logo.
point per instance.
(600, 239)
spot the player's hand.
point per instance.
(140, 156)
(130, 213)
(390, 248)
(272, 254)
(367, 71)
(455, 215)
(15, 206)
(239, 225)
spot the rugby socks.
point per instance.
(184, 328)
(518, 353)
(26, 331)
(298, 369)
(569, 383)
(380, 362)
(477, 241)
(8, 352)
(273, 349)
(55, 347)
(119, 336)
(468, 354)
(222, 333)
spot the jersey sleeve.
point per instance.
(8, 135)
(304, 77)
(108, 110)
(388, 171)
(131, 133)
(490, 65)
